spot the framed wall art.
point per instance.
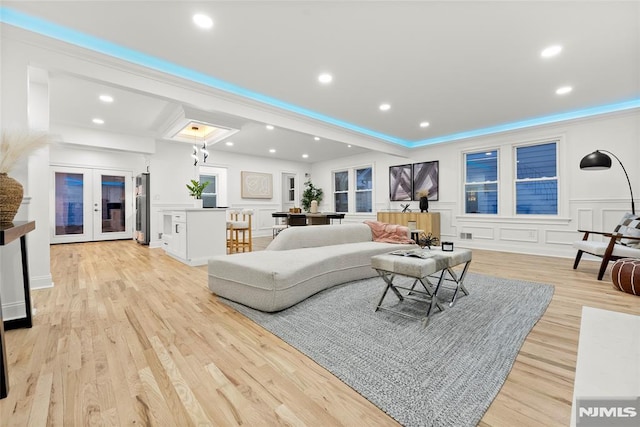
(400, 181)
(425, 177)
(256, 185)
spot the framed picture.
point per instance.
(425, 177)
(256, 185)
(400, 181)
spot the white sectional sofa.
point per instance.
(298, 263)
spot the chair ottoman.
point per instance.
(625, 275)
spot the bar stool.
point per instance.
(239, 231)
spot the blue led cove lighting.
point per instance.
(58, 32)
(545, 120)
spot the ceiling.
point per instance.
(466, 67)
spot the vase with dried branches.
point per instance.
(14, 146)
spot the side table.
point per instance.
(9, 233)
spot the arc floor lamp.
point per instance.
(598, 160)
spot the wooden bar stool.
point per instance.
(239, 234)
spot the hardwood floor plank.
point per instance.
(130, 336)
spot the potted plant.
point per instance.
(195, 190)
(310, 193)
(14, 146)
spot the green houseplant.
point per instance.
(311, 192)
(196, 188)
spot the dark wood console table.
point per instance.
(9, 233)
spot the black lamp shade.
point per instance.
(595, 161)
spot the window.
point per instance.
(353, 187)
(210, 193)
(292, 189)
(481, 182)
(536, 183)
(341, 191)
(364, 190)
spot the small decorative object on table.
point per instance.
(427, 240)
(447, 246)
(405, 208)
(424, 200)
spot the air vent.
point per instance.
(465, 236)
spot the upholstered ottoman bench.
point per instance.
(625, 275)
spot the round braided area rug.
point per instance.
(625, 275)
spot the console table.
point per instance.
(9, 233)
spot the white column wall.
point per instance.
(589, 200)
(25, 105)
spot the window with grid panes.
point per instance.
(536, 184)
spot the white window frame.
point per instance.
(465, 183)
(516, 180)
(356, 191)
(335, 192)
(351, 192)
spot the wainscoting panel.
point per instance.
(561, 237)
(484, 233)
(611, 218)
(518, 234)
(585, 219)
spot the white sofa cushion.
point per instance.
(599, 248)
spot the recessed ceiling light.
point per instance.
(564, 90)
(424, 124)
(316, 138)
(98, 121)
(272, 150)
(270, 127)
(551, 51)
(325, 78)
(106, 98)
(349, 146)
(384, 107)
(304, 156)
(229, 143)
(203, 21)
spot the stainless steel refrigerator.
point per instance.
(143, 222)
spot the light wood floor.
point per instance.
(128, 336)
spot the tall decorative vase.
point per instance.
(424, 204)
(11, 193)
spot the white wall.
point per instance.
(588, 200)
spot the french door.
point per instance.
(91, 205)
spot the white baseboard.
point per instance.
(41, 282)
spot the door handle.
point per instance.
(177, 232)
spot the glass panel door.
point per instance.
(112, 202)
(90, 205)
(69, 209)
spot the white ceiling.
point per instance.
(462, 66)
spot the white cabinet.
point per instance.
(193, 236)
(179, 226)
